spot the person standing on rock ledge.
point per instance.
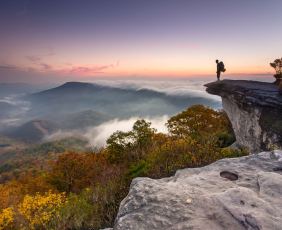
(219, 68)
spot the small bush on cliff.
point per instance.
(277, 65)
(233, 152)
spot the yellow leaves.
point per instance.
(39, 210)
(6, 217)
(10, 194)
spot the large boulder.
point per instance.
(239, 193)
(255, 111)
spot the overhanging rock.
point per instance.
(255, 111)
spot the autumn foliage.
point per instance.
(39, 210)
(83, 190)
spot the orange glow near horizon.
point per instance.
(140, 67)
(154, 71)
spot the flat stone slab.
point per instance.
(233, 194)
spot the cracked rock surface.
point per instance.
(237, 193)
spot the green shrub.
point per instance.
(138, 169)
(77, 211)
(233, 152)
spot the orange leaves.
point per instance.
(72, 172)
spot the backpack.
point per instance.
(222, 67)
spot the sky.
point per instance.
(56, 40)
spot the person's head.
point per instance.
(216, 61)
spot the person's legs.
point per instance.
(218, 76)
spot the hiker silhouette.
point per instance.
(219, 68)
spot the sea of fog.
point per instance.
(97, 135)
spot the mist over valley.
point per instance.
(93, 111)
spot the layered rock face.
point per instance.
(239, 193)
(255, 111)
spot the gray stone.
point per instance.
(255, 111)
(204, 198)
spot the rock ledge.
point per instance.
(238, 193)
(254, 109)
(249, 92)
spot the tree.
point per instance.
(143, 132)
(73, 172)
(68, 171)
(277, 65)
(130, 145)
(118, 144)
(197, 122)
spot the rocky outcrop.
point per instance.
(255, 111)
(239, 193)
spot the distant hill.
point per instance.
(6, 109)
(32, 131)
(7, 89)
(35, 130)
(121, 103)
(84, 119)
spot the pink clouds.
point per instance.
(67, 70)
(40, 64)
(82, 70)
(87, 70)
(45, 72)
(33, 59)
(46, 66)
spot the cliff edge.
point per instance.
(239, 193)
(235, 194)
(255, 111)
